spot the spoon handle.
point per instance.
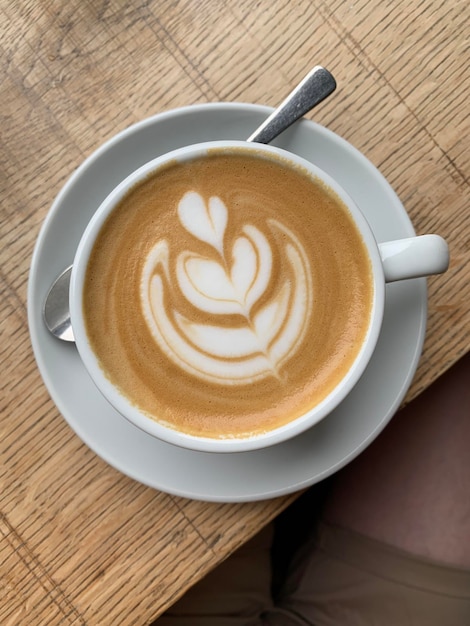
(315, 87)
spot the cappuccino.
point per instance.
(229, 294)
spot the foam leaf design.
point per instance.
(264, 260)
(244, 268)
(229, 288)
(203, 339)
(207, 222)
(205, 283)
(239, 342)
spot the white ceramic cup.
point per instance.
(390, 261)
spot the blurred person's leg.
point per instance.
(394, 544)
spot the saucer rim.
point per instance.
(41, 359)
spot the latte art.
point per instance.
(230, 280)
(228, 294)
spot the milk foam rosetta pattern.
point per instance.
(226, 284)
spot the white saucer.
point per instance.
(246, 476)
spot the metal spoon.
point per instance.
(315, 87)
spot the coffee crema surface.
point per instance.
(228, 295)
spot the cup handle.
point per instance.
(414, 257)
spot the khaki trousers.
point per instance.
(338, 578)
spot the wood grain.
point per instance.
(79, 542)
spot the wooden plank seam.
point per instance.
(9, 535)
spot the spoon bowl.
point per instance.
(56, 310)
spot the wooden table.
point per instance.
(79, 542)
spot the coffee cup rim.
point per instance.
(222, 444)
